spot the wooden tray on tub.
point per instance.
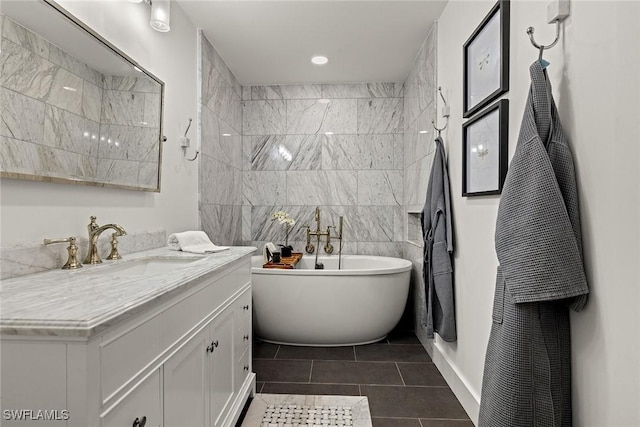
(286, 263)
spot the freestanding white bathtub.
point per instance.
(358, 304)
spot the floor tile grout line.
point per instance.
(310, 372)
(400, 373)
(355, 355)
(277, 351)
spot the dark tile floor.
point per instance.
(403, 386)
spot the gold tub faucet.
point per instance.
(94, 233)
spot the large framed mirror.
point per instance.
(74, 108)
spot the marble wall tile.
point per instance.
(246, 152)
(286, 152)
(15, 107)
(151, 116)
(362, 223)
(122, 108)
(210, 135)
(122, 172)
(376, 187)
(222, 223)
(91, 101)
(57, 163)
(322, 188)
(70, 132)
(220, 97)
(415, 182)
(264, 229)
(128, 143)
(308, 91)
(350, 152)
(70, 63)
(265, 188)
(246, 223)
(264, 117)
(148, 175)
(312, 117)
(363, 90)
(390, 249)
(66, 91)
(130, 84)
(18, 156)
(25, 72)
(25, 38)
(231, 143)
(87, 167)
(399, 220)
(383, 115)
(246, 93)
(220, 183)
(210, 54)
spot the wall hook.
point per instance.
(445, 113)
(184, 143)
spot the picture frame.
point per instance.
(486, 60)
(485, 146)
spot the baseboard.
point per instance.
(457, 383)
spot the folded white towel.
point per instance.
(196, 242)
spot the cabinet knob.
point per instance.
(246, 367)
(212, 346)
(245, 307)
(215, 343)
(139, 422)
(246, 337)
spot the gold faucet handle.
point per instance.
(114, 254)
(72, 260)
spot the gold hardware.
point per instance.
(328, 247)
(94, 234)
(72, 261)
(114, 254)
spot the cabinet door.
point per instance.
(143, 403)
(221, 367)
(185, 382)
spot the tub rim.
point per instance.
(404, 266)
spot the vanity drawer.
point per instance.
(125, 354)
(242, 338)
(242, 308)
(143, 402)
(243, 368)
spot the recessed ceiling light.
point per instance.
(319, 60)
(323, 101)
(226, 134)
(423, 131)
(69, 88)
(328, 133)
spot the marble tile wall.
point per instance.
(420, 108)
(82, 124)
(221, 164)
(339, 147)
(36, 257)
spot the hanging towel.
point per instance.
(527, 372)
(196, 242)
(437, 232)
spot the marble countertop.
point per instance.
(84, 302)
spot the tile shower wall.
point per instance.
(339, 147)
(419, 147)
(220, 126)
(76, 113)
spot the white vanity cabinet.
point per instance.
(185, 362)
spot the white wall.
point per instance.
(32, 211)
(594, 71)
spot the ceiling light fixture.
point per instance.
(323, 101)
(160, 14)
(319, 60)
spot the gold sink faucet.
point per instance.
(94, 233)
(72, 260)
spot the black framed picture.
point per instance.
(485, 146)
(486, 60)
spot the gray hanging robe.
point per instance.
(437, 250)
(527, 372)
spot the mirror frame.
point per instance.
(89, 31)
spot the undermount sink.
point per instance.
(148, 266)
